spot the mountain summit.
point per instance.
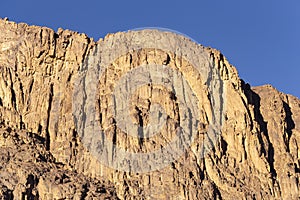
(144, 114)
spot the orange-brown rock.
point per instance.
(47, 154)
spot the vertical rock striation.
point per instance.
(44, 154)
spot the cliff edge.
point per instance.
(57, 89)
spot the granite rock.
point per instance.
(54, 84)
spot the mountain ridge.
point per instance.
(255, 157)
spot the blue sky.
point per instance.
(260, 38)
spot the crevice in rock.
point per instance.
(85, 190)
(74, 148)
(254, 99)
(7, 193)
(31, 85)
(22, 92)
(40, 128)
(69, 77)
(130, 59)
(141, 125)
(13, 94)
(223, 146)
(32, 181)
(85, 51)
(47, 136)
(22, 124)
(244, 146)
(246, 88)
(114, 140)
(167, 60)
(55, 35)
(217, 193)
(290, 125)
(13, 98)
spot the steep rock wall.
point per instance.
(256, 155)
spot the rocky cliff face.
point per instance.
(138, 115)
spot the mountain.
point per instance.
(145, 114)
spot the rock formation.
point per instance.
(62, 107)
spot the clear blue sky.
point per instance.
(259, 37)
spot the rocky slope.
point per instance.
(245, 143)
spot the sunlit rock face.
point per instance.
(145, 114)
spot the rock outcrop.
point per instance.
(244, 143)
